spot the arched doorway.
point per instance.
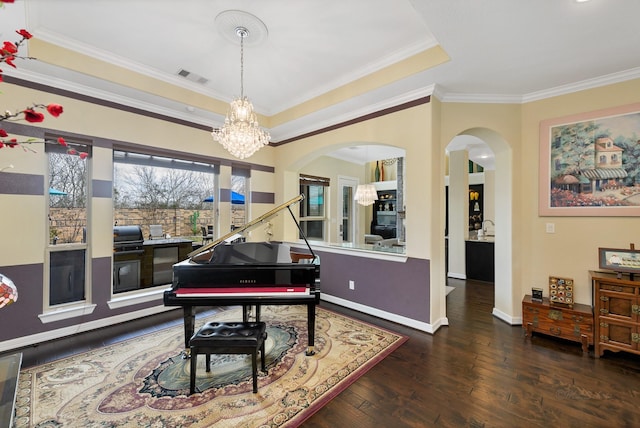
(504, 298)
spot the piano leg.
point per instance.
(311, 328)
(189, 326)
(246, 313)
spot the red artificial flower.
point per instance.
(72, 151)
(7, 1)
(1, 144)
(24, 33)
(62, 142)
(33, 116)
(3, 133)
(9, 48)
(0, 75)
(9, 60)
(83, 155)
(54, 110)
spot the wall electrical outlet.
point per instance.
(352, 285)
(551, 227)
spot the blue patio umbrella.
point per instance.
(236, 198)
(56, 192)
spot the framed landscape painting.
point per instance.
(590, 164)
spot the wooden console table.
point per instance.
(575, 324)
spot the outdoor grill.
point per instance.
(128, 254)
(127, 240)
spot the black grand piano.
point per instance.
(231, 271)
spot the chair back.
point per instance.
(155, 231)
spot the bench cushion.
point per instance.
(222, 334)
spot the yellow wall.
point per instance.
(408, 129)
(27, 229)
(572, 250)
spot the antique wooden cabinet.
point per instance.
(617, 310)
(575, 324)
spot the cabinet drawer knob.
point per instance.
(604, 338)
(635, 309)
(555, 331)
(604, 324)
(604, 311)
(604, 298)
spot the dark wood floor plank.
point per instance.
(477, 372)
(482, 372)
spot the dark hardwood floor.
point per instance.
(476, 372)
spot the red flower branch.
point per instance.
(9, 50)
(30, 114)
(8, 54)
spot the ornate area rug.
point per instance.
(145, 381)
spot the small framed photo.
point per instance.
(536, 294)
(561, 291)
(619, 260)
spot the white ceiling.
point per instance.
(500, 50)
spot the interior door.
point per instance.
(347, 219)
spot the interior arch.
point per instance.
(504, 294)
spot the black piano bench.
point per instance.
(228, 338)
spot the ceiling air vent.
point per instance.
(192, 77)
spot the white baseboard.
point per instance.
(418, 325)
(21, 342)
(506, 317)
(456, 275)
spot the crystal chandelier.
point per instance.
(366, 194)
(241, 134)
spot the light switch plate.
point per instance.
(551, 228)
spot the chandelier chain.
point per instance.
(241, 134)
(242, 32)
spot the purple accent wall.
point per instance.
(398, 288)
(21, 318)
(21, 184)
(262, 198)
(29, 282)
(102, 188)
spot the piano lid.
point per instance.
(205, 253)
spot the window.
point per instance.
(239, 196)
(68, 182)
(312, 208)
(178, 195)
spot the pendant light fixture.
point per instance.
(241, 134)
(366, 194)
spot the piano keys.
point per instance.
(247, 273)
